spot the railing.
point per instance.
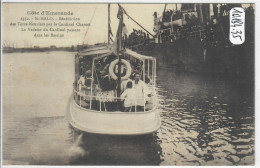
(104, 103)
(184, 33)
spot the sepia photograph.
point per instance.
(128, 84)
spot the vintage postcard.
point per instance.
(128, 84)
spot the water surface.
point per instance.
(205, 120)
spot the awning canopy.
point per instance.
(103, 51)
(95, 51)
(138, 56)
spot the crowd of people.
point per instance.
(136, 37)
(171, 15)
(209, 30)
(105, 87)
(224, 9)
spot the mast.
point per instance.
(119, 51)
(109, 30)
(164, 7)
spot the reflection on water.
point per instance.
(120, 150)
(205, 120)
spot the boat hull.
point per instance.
(113, 123)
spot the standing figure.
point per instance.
(129, 97)
(141, 91)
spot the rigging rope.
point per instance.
(89, 25)
(100, 91)
(135, 21)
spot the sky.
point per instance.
(95, 33)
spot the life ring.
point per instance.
(112, 66)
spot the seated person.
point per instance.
(83, 84)
(84, 81)
(129, 97)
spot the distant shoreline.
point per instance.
(18, 50)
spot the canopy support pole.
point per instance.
(91, 91)
(144, 93)
(148, 68)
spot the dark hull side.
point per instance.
(193, 56)
(207, 52)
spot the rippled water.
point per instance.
(205, 120)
